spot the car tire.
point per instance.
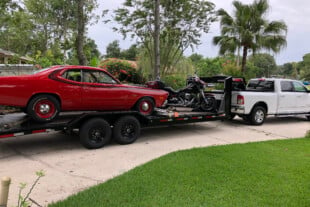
(43, 108)
(95, 133)
(126, 130)
(258, 115)
(308, 118)
(145, 106)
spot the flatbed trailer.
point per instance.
(96, 128)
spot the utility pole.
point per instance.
(156, 41)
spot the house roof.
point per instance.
(5, 53)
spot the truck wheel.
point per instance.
(258, 115)
(126, 130)
(43, 108)
(145, 106)
(95, 133)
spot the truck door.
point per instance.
(287, 98)
(302, 98)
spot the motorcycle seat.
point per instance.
(171, 90)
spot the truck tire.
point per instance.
(43, 108)
(258, 115)
(95, 133)
(126, 130)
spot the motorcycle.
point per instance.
(191, 96)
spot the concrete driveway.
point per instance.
(71, 168)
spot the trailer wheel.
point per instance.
(43, 108)
(258, 115)
(145, 106)
(95, 133)
(126, 130)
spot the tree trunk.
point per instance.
(244, 57)
(81, 30)
(156, 41)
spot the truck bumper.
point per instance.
(237, 109)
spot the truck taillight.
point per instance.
(240, 100)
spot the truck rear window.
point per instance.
(261, 85)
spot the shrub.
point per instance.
(124, 70)
(175, 81)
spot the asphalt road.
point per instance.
(71, 168)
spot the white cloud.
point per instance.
(296, 14)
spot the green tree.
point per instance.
(249, 29)
(265, 64)
(181, 25)
(195, 58)
(305, 67)
(210, 66)
(131, 53)
(113, 50)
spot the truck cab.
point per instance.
(271, 96)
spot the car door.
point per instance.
(101, 91)
(302, 97)
(287, 98)
(70, 89)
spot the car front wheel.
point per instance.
(43, 108)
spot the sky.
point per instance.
(295, 13)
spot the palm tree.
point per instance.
(248, 29)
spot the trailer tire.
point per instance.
(95, 133)
(126, 130)
(258, 115)
(43, 108)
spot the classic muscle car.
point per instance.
(47, 92)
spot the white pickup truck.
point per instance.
(270, 96)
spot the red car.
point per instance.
(75, 88)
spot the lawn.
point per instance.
(272, 173)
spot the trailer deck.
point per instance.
(96, 128)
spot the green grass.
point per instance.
(273, 173)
